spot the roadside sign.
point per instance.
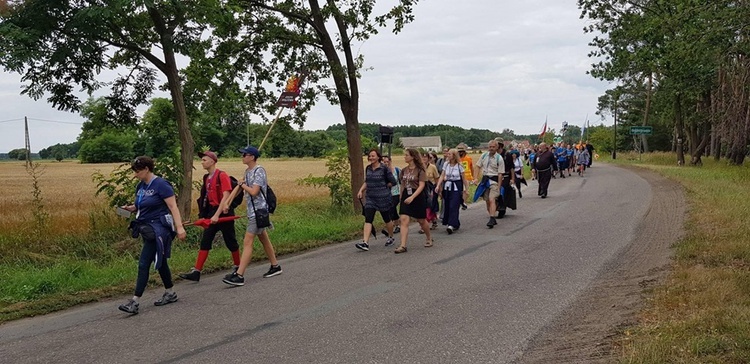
(641, 130)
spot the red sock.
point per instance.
(202, 256)
(236, 257)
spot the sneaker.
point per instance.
(166, 298)
(275, 270)
(464, 207)
(389, 241)
(421, 231)
(396, 230)
(362, 246)
(234, 279)
(434, 225)
(131, 307)
(384, 232)
(194, 275)
(449, 229)
(492, 222)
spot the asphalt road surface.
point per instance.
(478, 295)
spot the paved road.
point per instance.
(478, 295)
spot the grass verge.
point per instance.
(41, 277)
(702, 313)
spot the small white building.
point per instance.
(428, 143)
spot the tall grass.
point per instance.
(76, 269)
(702, 313)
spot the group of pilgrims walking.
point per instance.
(434, 190)
(398, 194)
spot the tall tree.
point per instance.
(320, 37)
(683, 51)
(58, 44)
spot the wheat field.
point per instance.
(68, 191)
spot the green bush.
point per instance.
(108, 147)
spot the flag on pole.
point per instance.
(544, 129)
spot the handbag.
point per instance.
(262, 217)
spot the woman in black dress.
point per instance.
(377, 193)
(413, 200)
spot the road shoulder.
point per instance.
(588, 331)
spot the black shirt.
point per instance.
(544, 160)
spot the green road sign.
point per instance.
(641, 130)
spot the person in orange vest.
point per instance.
(468, 165)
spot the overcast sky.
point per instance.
(484, 64)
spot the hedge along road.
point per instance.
(478, 295)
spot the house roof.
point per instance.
(419, 142)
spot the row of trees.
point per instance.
(681, 66)
(240, 52)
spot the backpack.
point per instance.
(270, 197)
(237, 199)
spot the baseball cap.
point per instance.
(209, 154)
(250, 150)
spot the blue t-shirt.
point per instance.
(570, 152)
(562, 154)
(149, 199)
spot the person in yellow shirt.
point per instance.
(468, 165)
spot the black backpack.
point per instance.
(232, 205)
(237, 199)
(270, 199)
(269, 195)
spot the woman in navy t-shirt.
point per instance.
(157, 221)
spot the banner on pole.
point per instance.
(288, 98)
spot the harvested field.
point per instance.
(68, 190)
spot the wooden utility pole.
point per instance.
(28, 144)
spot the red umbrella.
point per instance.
(205, 223)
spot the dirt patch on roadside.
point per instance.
(587, 331)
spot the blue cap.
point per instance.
(250, 150)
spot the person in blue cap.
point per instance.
(254, 185)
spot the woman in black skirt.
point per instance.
(413, 198)
(377, 191)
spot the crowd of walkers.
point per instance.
(428, 189)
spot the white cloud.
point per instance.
(480, 63)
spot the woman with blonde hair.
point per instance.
(413, 198)
(454, 188)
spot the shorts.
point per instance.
(252, 228)
(491, 193)
(370, 215)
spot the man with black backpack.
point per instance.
(217, 185)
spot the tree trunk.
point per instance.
(716, 149)
(679, 130)
(644, 139)
(169, 67)
(345, 79)
(184, 194)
